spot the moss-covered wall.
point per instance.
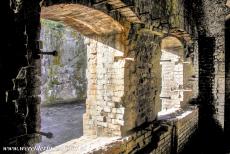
(64, 75)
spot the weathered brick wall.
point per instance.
(142, 78)
(20, 80)
(172, 82)
(168, 136)
(152, 139)
(178, 71)
(211, 24)
(170, 16)
(211, 18)
(105, 72)
(186, 126)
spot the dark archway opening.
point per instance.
(87, 44)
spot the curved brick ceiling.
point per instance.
(171, 43)
(124, 10)
(86, 20)
(228, 3)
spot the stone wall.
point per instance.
(141, 48)
(139, 66)
(141, 81)
(105, 71)
(64, 75)
(170, 16)
(169, 135)
(211, 24)
(186, 127)
(20, 79)
(142, 78)
(211, 18)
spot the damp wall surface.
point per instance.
(64, 75)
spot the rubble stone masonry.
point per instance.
(124, 73)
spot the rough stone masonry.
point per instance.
(125, 73)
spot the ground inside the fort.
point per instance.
(64, 121)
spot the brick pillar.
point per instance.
(211, 132)
(211, 20)
(206, 76)
(105, 75)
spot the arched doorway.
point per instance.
(100, 37)
(177, 75)
(172, 73)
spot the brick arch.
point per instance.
(105, 65)
(184, 37)
(181, 35)
(174, 45)
(80, 11)
(86, 20)
(171, 42)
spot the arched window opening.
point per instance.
(88, 71)
(172, 62)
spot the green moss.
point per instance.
(74, 33)
(55, 82)
(52, 24)
(57, 60)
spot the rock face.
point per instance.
(63, 76)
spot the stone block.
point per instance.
(107, 109)
(120, 110)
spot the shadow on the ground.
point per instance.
(64, 121)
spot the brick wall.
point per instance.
(167, 136)
(186, 127)
(105, 72)
(142, 79)
(142, 82)
(20, 80)
(211, 24)
(170, 136)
